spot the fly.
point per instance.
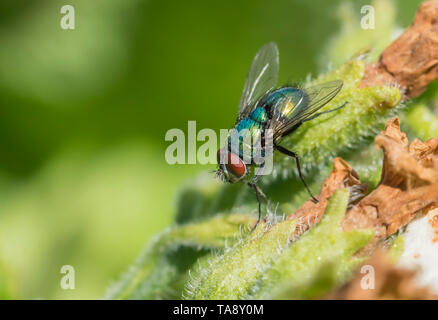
(263, 109)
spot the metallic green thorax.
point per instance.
(248, 131)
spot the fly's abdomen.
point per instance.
(286, 101)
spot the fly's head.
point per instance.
(231, 168)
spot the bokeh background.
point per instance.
(83, 114)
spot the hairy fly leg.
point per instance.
(259, 193)
(297, 160)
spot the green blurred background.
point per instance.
(83, 114)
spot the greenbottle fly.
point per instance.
(266, 115)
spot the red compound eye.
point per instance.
(235, 165)
(237, 169)
(232, 162)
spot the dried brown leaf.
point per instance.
(411, 61)
(408, 186)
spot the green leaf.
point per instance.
(231, 275)
(262, 264)
(324, 244)
(161, 269)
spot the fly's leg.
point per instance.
(259, 193)
(259, 173)
(294, 155)
(323, 112)
(257, 176)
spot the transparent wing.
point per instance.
(262, 76)
(313, 99)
